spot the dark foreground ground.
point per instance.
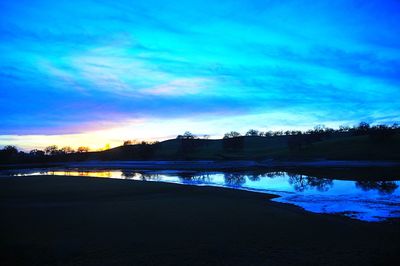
(90, 221)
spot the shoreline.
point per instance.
(207, 165)
(91, 221)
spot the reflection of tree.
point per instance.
(128, 174)
(258, 176)
(186, 176)
(234, 180)
(275, 174)
(302, 183)
(139, 176)
(255, 177)
(149, 177)
(383, 187)
(190, 177)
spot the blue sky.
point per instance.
(96, 72)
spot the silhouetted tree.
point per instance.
(186, 135)
(11, 150)
(36, 153)
(268, 133)
(8, 153)
(364, 126)
(362, 129)
(232, 134)
(67, 150)
(51, 150)
(252, 133)
(82, 149)
(129, 142)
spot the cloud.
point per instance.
(82, 66)
(178, 87)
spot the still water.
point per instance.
(364, 200)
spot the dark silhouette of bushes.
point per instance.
(298, 142)
(377, 133)
(8, 153)
(362, 129)
(381, 133)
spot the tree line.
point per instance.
(362, 128)
(232, 140)
(10, 153)
(296, 139)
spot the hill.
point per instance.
(378, 143)
(340, 147)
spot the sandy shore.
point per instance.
(92, 221)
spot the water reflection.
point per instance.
(134, 175)
(364, 200)
(104, 174)
(383, 187)
(194, 178)
(302, 182)
(234, 180)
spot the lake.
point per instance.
(365, 200)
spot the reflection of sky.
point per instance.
(341, 196)
(92, 72)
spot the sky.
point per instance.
(96, 72)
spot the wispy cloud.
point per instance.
(178, 87)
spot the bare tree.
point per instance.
(186, 135)
(130, 142)
(67, 149)
(51, 150)
(83, 149)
